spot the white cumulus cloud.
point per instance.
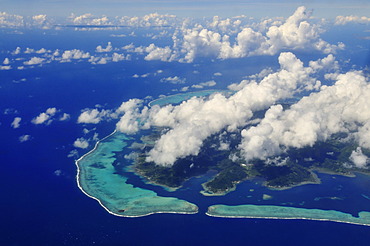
(94, 116)
(358, 158)
(11, 21)
(75, 54)
(340, 108)
(81, 143)
(108, 48)
(45, 117)
(194, 120)
(34, 61)
(295, 33)
(6, 61)
(343, 20)
(173, 80)
(24, 138)
(16, 122)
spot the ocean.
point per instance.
(42, 205)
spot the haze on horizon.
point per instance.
(184, 8)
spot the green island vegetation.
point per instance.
(297, 168)
(181, 170)
(230, 173)
(288, 175)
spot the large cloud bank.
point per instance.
(343, 107)
(340, 108)
(188, 40)
(193, 121)
(295, 33)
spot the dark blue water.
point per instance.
(39, 207)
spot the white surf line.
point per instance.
(99, 201)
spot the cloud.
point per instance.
(192, 121)
(140, 76)
(75, 54)
(39, 18)
(128, 122)
(91, 116)
(120, 57)
(6, 61)
(173, 80)
(24, 138)
(16, 122)
(263, 73)
(205, 84)
(17, 51)
(227, 25)
(185, 88)
(150, 20)
(100, 49)
(94, 116)
(102, 61)
(65, 117)
(343, 20)
(296, 33)
(73, 153)
(58, 173)
(358, 158)
(45, 118)
(11, 21)
(41, 21)
(81, 143)
(89, 19)
(340, 108)
(29, 51)
(327, 63)
(40, 51)
(34, 61)
(5, 67)
(157, 53)
(9, 111)
(130, 105)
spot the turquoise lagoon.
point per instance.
(98, 179)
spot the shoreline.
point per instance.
(150, 182)
(315, 181)
(194, 209)
(209, 212)
(282, 218)
(100, 202)
(327, 171)
(207, 192)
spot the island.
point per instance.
(298, 168)
(117, 174)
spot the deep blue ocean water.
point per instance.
(39, 207)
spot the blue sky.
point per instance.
(192, 8)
